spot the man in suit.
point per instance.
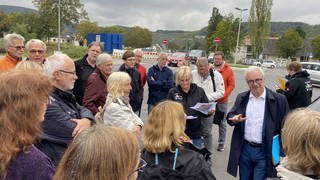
(257, 115)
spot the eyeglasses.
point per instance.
(251, 82)
(33, 51)
(18, 47)
(68, 72)
(141, 166)
(131, 59)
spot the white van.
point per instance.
(313, 68)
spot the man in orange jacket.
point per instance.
(14, 45)
(229, 84)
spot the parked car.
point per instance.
(268, 64)
(175, 58)
(211, 58)
(195, 54)
(313, 68)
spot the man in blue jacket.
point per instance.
(160, 81)
(64, 118)
(258, 116)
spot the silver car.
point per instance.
(313, 68)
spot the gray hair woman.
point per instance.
(118, 111)
(96, 90)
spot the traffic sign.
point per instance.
(164, 41)
(216, 40)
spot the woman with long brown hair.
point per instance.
(24, 98)
(100, 152)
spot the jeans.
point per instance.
(252, 164)
(198, 143)
(206, 129)
(150, 107)
(223, 125)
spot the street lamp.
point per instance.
(59, 26)
(237, 48)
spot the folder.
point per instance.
(282, 84)
(276, 150)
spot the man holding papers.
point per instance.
(257, 116)
(203, 78)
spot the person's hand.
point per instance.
(136, 130)
(82, 124)
(211, 111)
(238, 118)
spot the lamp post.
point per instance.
(237, 48)
(59, 26)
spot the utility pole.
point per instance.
(238, 38)
(59, 26)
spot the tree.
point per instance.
(137, 37)
(215, 18)
(259, 24)
(113, 29)
(227, 33)
(4, 23)
(86, 26)
(315, 43)
(71, 13)
(26, 23)
(301, 32)
(289, 43)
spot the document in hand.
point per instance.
(276, 150)
(204, 107)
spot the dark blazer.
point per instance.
(275, 111)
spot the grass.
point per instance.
(239, 65)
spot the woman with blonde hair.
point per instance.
(23, 102)
(167, 147)
(29, 66)
(189, 94)
(301, 144)
(100, 152)
(118, 111)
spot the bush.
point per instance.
(74, 52)
(2, 49)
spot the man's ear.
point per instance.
(56, 75)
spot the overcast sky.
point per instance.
(183, 14)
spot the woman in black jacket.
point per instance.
(167, 150)
(189, 94)
(298, 89)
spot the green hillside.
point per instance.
(8, 9)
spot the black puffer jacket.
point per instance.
(298, 90)
(190, 165)
(136, 91)
(195, 95)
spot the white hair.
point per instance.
(10, 37)
(253, 69)
(102, 58)
(54, 63)
(137, 51)
(36, 41)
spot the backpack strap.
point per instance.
(174, 160)
(212, 79)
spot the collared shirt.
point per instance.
(255, 116)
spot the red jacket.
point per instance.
(229, 82)
(8, 62)
(95, 92)
(143, 75)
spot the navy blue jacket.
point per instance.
(135, 95)
(57, 126)
(195, 95)
(276, 109)
(160, 86)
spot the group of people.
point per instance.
(52, 107)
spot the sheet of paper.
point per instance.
(204, 108)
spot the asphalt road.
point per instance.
(220, 159)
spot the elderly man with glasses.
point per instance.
(258, 116)
(14, 45)
(64, 118)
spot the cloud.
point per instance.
(183, 14)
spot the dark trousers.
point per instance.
(252, 163)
